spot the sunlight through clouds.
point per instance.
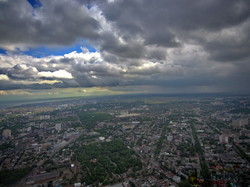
(103, 44)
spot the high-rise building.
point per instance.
(58, 127)
(29, 129)
(223, 138)
(237, 124)
(6, 133)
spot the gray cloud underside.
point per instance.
(167, 43)
(56, 23)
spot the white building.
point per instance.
(58, 127)
(223, 139)
(176, 178)
(44, 117)
(6, 133)
(28, 129)
(170, 138)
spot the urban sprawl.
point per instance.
(127, 141)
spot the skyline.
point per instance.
(80, 48)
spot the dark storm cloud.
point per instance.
(55, 23)
(165, 39)
(127, 49)
(163, 23)
(207, 14)
(232, 49)
(220, 28)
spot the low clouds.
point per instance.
(86, 69)
(60, 74)
(175, 45)
(4, 77)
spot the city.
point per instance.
(124, 93)
(127, 141)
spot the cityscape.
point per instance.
(136, 140)
(124, 93)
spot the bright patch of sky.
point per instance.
(43, 51)
(35, 3)
(2, 51)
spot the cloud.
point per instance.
(55, 23)
(83, 90)
(61, 74)
(2, 92)
(15, 92)
(175, 45)
(172, 23)
(4, 77)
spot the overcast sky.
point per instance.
(124, 46)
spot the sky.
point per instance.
(61, 48)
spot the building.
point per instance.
(176, 178)
(223, 139)
(128, 127)
(124, 112)
(44, 117)
(6, 133)
(170, 138)
(58, 127)
(164, 119)
(237, 124)
(29, 129)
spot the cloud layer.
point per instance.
(200, 46)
